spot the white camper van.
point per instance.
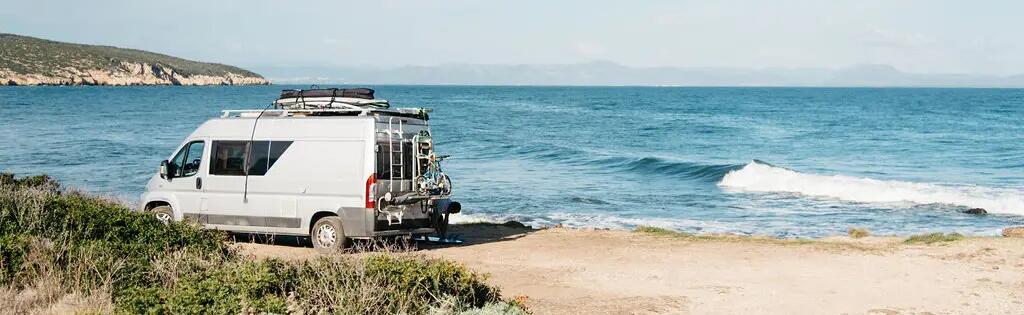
(331, 164)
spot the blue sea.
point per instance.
(788, 162)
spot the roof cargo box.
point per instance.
(362, 93)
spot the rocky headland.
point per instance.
(33, 61)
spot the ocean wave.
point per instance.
(644, 165)
(758, 176)
(687, 170)
(591, 201)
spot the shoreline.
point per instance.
(566, 270)
(130, 85)
(467, 219)
(42, 80)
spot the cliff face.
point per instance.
(32, 61)
(128, 74)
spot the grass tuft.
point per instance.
(932, 238)
(858, 232)
(653, 230)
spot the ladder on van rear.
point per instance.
(397, 169)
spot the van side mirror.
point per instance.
(165, 170)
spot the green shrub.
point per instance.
(87, 244)
(259, 286)
(375, 284)
(408, 280)
(38, 181)
(107, 236)
(12, 252)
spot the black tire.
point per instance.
(163, 214)
(328, 234)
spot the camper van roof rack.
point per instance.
(363, 93)
(420, 113)
(329, 98)
(328, 102)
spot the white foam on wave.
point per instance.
(760, 177)
(463, 218)
(604, 221)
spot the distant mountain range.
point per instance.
(33, 61)
(609, 73)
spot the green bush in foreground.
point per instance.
(87, 245)
(92, 242)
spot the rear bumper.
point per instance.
(407, 224)
(419, 231)
(417, 219)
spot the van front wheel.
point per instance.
(163, 214)
(328, 234)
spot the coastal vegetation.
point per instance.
(932, 238)
(855, 232)
(662, 232)
(33, 61)
(929, 238)
(65, 251)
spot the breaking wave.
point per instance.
(658, 166)
(601, 162)
(758, 176)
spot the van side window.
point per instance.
(228, 158)
(258, 160)
(186, 162)
(264, 154)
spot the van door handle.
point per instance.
(199, 183)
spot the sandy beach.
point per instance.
(568, 271)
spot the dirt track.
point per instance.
(567, 271)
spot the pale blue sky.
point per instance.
(914, 36)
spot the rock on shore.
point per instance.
(1017, 232)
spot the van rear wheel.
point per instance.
(328, 234)
(163, 214)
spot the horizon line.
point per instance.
(274, 83)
